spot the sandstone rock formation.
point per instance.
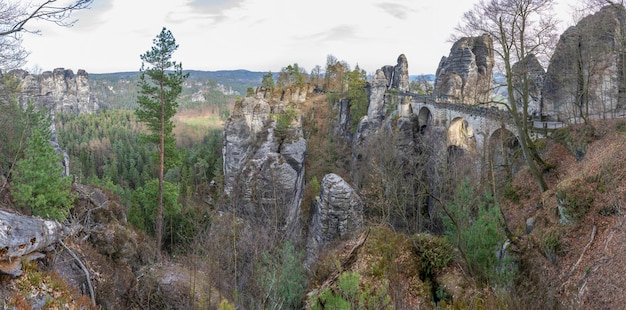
(57, 91)
(586, 70)
(465, 75)
(392, 77)
(60, 90)
(531, 67)
(377, 90)
(337, 212)
(264, 167)
(398, 75)
(341, 125)
(385, 90)
(461, 135)
(293, 94)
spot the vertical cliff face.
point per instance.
(586, 70)
(60, 90)
(387, 83)
(465, 75)
(264, 151)
(536, 74)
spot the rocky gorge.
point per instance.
(371, 214)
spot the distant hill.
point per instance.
(238, 80)
(427, 77)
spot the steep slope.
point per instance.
(571, 237)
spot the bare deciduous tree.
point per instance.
(15, 15)
(519, 28)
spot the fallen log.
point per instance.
(22, 235)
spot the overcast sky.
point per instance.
(252, 34)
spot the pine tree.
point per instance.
(38, 182)
(160, 85)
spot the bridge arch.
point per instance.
(505, 152)
(461, 135)
(424, 119)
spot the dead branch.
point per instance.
(85, 270)
(580, 258)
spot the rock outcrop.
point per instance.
(264, 164)
(586, 71)
(57, 91)
(465, 75)
(385, 98)
(293, 94)
(387, 78)
(337, 212)
(534, 71)
(60, 90)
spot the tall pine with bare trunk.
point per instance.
(160, 84)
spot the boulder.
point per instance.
(337, 212)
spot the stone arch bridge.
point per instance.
(479, 130)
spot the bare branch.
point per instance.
(15, 15)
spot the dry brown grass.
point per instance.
(587, 273)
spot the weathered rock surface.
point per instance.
(461, 135)
(337, 212)
(60, 90)
(586, 69)
(341, 125)
(263, 167)
(384, 91)
(398, 75)
(293, 94)
(378, 89)
(387, 78)
(536, 74)
(465, 75)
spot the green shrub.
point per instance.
(550, 245)
(351, 294)
(510, 193)
(142, 212)
(573, 200)
(315, 186)
(435, 253)
(283, 122)
(477, 230)
(284, 278)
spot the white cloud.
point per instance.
(252, 34)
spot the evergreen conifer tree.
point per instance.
(160, 84)
(38, 182)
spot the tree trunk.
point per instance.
(22, 235)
